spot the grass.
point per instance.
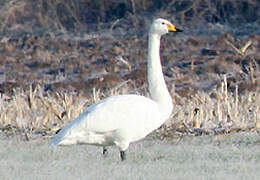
(234, 156)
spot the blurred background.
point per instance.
(75, 42)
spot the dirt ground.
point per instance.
(81, 45)
(234, 156)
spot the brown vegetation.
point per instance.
(54, 55)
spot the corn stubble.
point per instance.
(218, 111)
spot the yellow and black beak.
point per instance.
(172, 28)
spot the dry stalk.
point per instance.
(71, 109)
(226, 96)
(113, 25)
(241, 51)
(225, 90)
(192, 65)
(246, 46)
(252, 72)
(31, 97)
(257, 118)
(236, 102)
(189, 116)
(20, 108)
(219, 112)
(201, 117)
(201, 101)
(51, 108)
(121, 59)
(174, 114)
(7, 119)
(196, 122)
(234, 47)
(46, 119)
(36, 124)
(96, 95)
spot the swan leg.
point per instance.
(123, 145)
(105, 151)
(122, 155)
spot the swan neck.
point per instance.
(157, 86)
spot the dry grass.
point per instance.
(219, 108)
(35, 110)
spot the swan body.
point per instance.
(112, 121)
(122, 119)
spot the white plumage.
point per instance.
(120, 120)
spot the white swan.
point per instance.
(120, 120)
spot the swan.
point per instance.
(122, 119)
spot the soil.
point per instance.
(81, 45)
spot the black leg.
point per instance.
(104, 151)
(122, 155)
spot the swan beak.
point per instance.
(172, 28)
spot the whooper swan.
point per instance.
(122, 119)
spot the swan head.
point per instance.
(162, 26)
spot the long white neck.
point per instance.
(157, 87)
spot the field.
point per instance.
(233, 156)
(57, 58)
(206, 138)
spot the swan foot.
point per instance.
(122, 155)
(105, 151)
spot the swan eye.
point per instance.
(163, 23)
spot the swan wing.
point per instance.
(131, 115)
